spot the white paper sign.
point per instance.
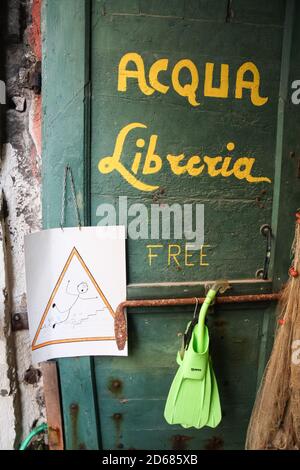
(75, 280)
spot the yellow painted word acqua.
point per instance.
(136, 169)
(247, 78)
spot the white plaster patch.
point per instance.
(22, 191)
(23, 197)
(7, 412)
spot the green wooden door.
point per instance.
(167, 103)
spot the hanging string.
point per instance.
(68, 170)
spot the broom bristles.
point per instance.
(275, 419)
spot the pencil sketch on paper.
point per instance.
(77, 309)
(75, 280)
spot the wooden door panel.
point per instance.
(118, 402)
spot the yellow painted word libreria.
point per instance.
(247, 77)
(137, 168)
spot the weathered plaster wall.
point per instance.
(21, 394)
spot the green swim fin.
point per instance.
(193, 399)
(189, 397)
(215, 413)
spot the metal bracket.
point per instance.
(266, 231)
(19, 321)
(221, 286)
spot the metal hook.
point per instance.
(196, 307)
(188, 334)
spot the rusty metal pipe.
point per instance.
(120, 321)
(230, 299)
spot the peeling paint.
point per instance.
(34, 30)
(36, 133)
(20, 173)
(32, 376)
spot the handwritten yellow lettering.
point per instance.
(153, 162)
(177, 255)
(225, 172)
(222, 90)
(203, 255)
(174, 254)
(251, 85)
(187, 256)
(158, 66)
(138, 156)
(195, 165)
(174, 161)
(136, 162)
(138, 74)
(152, 255)
(190, 166)
(108, 164)
(189, 89)
(242, 170)
(211, 163)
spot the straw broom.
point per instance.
(275, 419)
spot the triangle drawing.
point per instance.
(76, 308)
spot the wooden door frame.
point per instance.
(66, 140)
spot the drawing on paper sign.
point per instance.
(76, 308)
(75, 279)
